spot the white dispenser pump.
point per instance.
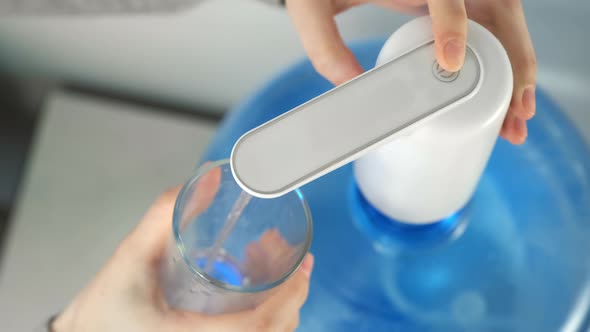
(424, 134)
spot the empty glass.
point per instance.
(229, 250)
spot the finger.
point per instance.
(203, 194)
(148, 235)
(509, 25)
(278, 313)
(292, 294)
(514, 129)
(153, 232)
(185, 321)
(519, 131)
(273, 242)
(269, 238)
(293, 323)
(314, 22)
(505, 125)
(280, 255)
(449, 25)
(256, 265)
(410, 7)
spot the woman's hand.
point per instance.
(125, 295)
(314, 20)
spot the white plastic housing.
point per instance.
(432, 171)
(350, 120)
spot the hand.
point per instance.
(125, 295)
(269, 258)
(315, 24)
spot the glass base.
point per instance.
(223, 269)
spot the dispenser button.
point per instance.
(442, 75)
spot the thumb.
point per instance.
(186, 321)
(281, 311)
(152, 234)
(449, 23)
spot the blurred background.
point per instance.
(101, 112)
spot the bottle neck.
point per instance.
(390, 236)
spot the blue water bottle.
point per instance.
(435, 226)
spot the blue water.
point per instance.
(222, 270)
(514, 259)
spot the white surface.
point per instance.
(432, 171)
(211, 55)
(95, 168)
(349, 121)
(217, 53)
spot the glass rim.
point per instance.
(198, 272)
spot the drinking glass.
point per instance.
(230, 250)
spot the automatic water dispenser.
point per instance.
(436, 225)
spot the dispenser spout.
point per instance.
(420, 136)
(348, 121)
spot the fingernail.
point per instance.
(507, 127)
(528, 100)
(307, 265)
(454, 54)
(520, 131)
